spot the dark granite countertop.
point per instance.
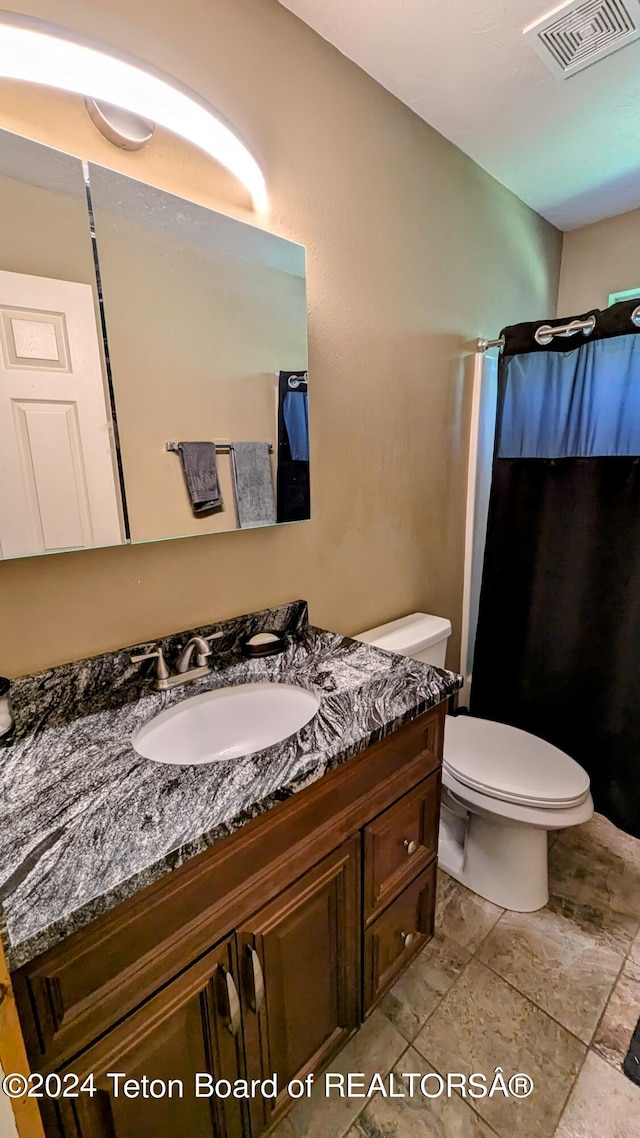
(86, 822)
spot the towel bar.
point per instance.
(221, 448)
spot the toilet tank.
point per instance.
(420, 635)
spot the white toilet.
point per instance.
(502, 788)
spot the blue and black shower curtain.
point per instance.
(558, 642)
(293, 489)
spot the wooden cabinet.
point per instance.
(256, 959)
(301, 977)
(192, 1026)
(285, 987)
(397, 935)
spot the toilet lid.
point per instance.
(511, 765)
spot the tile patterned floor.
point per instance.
(555, 994)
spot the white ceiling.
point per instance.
(570, 149)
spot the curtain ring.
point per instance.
(543, 335)
(635, 317)
(294, 381)
(584, 326)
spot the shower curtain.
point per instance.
(293, 490)
(558, 641)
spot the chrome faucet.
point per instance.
(184, 671)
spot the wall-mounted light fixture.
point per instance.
(121, 128)
(37, 52)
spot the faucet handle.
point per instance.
(213, 636)
(162, 669)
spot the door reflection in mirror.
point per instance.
(59, 486)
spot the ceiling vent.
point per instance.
(581, 32)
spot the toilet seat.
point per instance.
(464, 799)
(511, 765)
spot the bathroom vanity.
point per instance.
(302, 886)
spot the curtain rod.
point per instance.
(545, 333)
(483, 345)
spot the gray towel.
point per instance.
(201, 476)
(253, 484)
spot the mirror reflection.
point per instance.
(207, 334)
(153, 375)
(59, 486)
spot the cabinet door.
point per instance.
(299, 961)
(193, 1025)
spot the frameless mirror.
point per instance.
(59, 486)
(206, 325)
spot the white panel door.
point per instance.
(58, 483)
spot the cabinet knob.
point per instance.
(408, 938)
(410, 846)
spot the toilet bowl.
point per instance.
(503, 789)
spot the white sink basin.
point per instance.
(228, 723)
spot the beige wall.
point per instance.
(412, 252)
(44, 234)
(598, 260)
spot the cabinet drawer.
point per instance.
(397, 935)
(399, 843)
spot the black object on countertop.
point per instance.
(267, 647)
(7, 721)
